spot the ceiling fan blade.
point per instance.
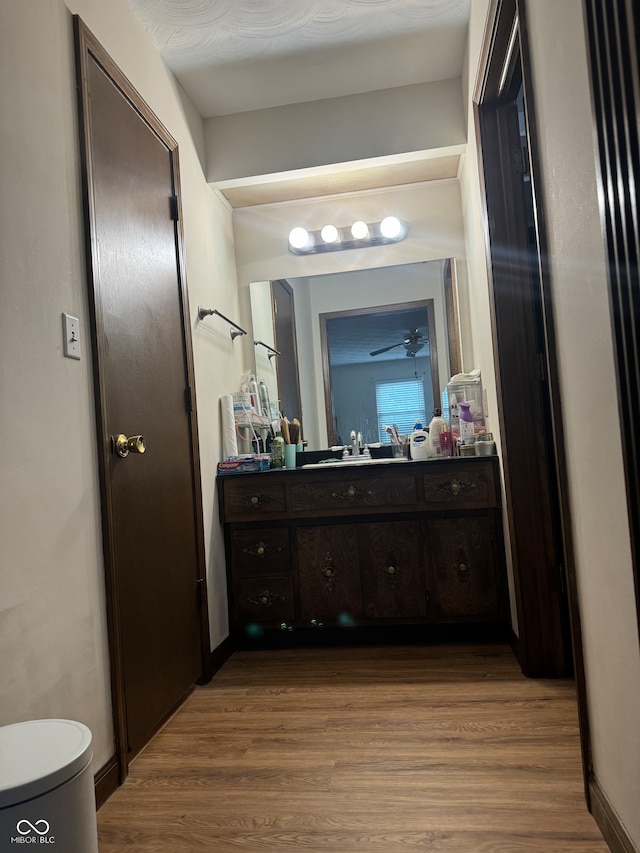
(386, 349)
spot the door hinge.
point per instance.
(188, 399)
(173, 207)
(200, 592)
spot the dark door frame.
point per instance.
(506, 43)
(288, 349)
(613, 29)
(88, 49)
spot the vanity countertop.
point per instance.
(350, 464)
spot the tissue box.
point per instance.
(244, 464)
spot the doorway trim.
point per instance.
(88, 48)
(506, 30)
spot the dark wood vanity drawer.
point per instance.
(469, 486)
(350, 492)
(261, 552)
(257, 499)
(264, 601)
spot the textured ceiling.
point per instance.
(237, 55)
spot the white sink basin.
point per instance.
(365, 460)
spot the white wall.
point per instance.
(52, 610)
(298, 136)
(587, 377)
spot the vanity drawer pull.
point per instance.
(469, 488)
(262, 553)
(266, 601)
(457, 487)
(352, 493)
(464, 571)
(244, 500)
(329, 571)
(265, 598)
(392, 573)
(262, 550)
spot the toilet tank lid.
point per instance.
(37, 756)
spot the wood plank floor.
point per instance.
(446, 749)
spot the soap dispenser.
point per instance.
(419, 443)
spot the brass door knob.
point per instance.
(124, 446)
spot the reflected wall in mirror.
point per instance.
(356, 291)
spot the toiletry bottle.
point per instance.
(255, 395)
(467, 430)
(277, 452)
(419, 443)
(265, 403)
(436, 426)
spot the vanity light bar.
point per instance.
(359, 235)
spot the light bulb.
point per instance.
(391, 227)
(329, 233)
(299, 238)
(359, 230)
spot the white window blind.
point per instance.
(401, 403)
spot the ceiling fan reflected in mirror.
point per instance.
(413, 343)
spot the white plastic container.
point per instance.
(465, 387)
(46, 786)
(437, 425)
(419, 445)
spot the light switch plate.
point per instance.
(71, 336)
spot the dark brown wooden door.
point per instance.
(286, 344)
(150, 500)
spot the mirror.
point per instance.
(371, 293)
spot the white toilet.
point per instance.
(46, 787)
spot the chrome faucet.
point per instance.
(355, 448)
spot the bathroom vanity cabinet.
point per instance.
(404, 544)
